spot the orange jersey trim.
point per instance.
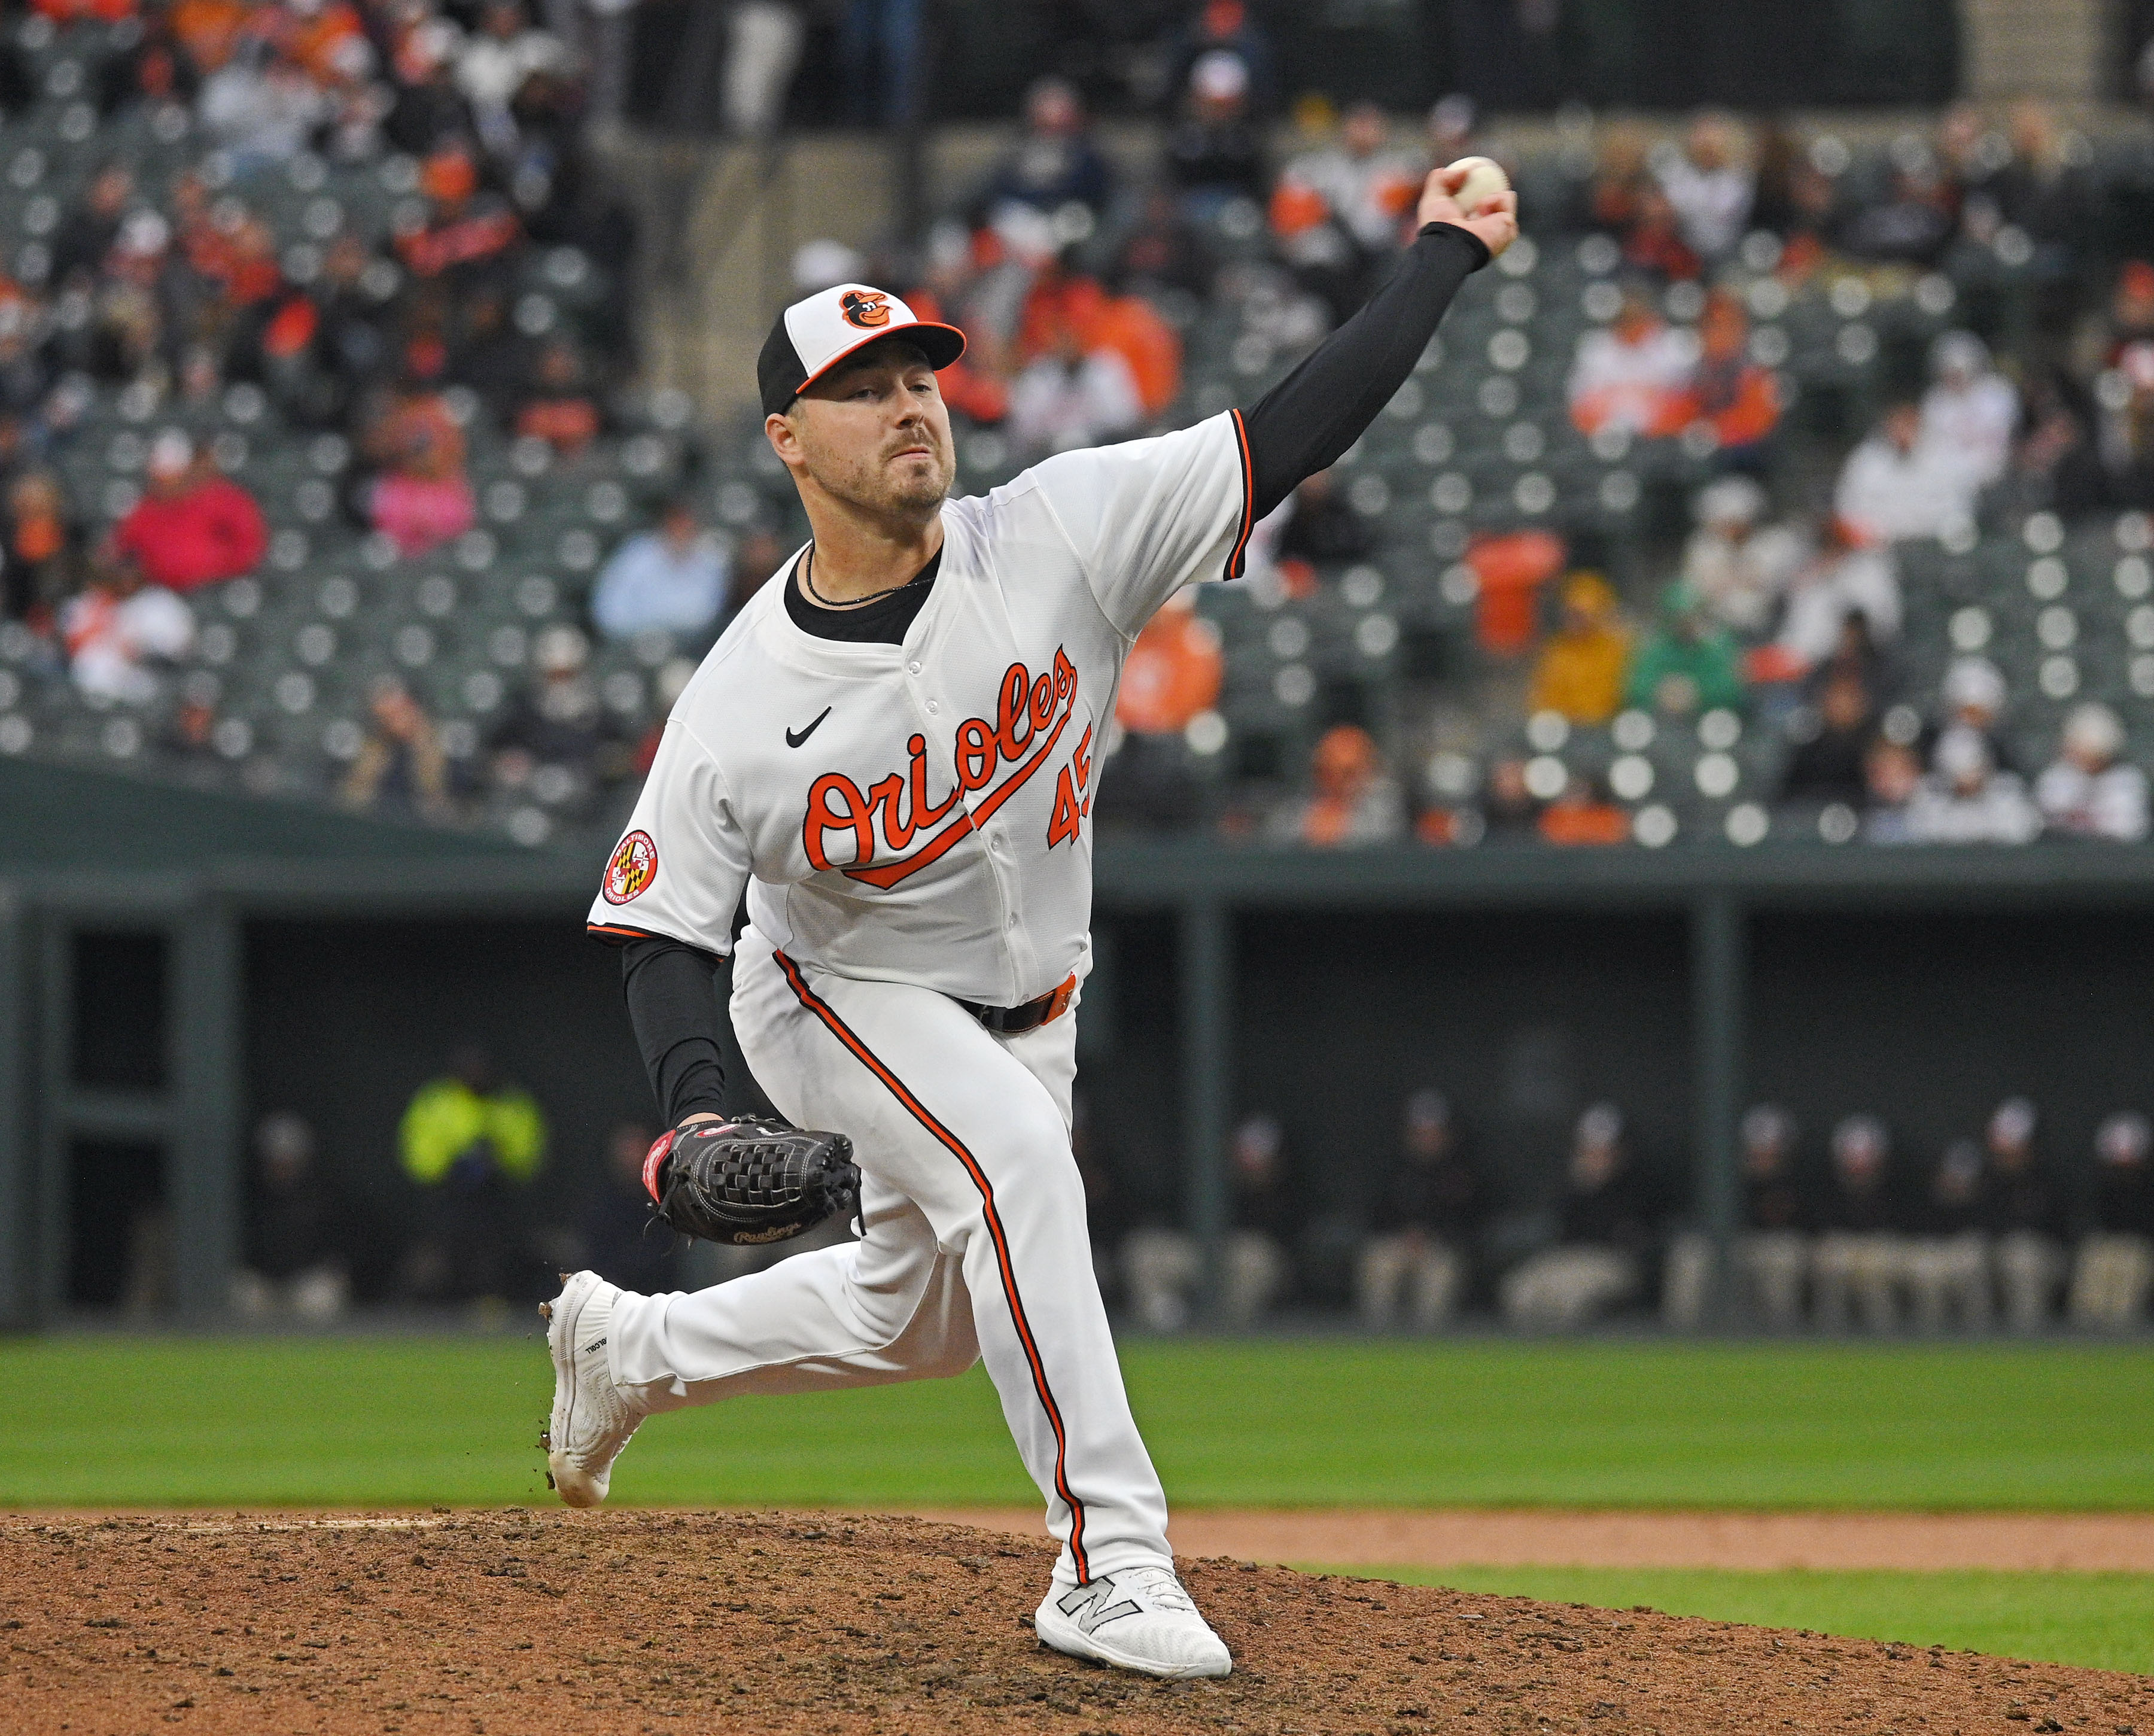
(615, 930)
(843, 1033)
(1248, 497)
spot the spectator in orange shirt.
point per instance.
(1062, 302)
(1737, 398)
(1510, 568)
(1131, 327)
(195, 526)
(560, 408)
(1354, 801)
(1171, 680)
(208, 30)
(1581, 815)
(240, 257)
(1173, 672)
(327, 38)
(69, 11)
(466, 230)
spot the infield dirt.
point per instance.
(553, 1622)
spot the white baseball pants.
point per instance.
(973, 1245)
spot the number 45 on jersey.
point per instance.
(1072, 799)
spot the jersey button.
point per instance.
(932, 708)
(914, 666)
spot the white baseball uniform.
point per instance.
(910, 823)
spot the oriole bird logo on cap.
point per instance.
(866, 309)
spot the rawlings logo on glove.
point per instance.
(749, 1181)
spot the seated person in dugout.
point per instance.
(1859, 1253)
(2113, 1271)
(1771, 1251)
(1604, 1241)
(291, 1262)
(1163, 1267)
(1415, 1260)
(1948, 1268)
(2024, 1210)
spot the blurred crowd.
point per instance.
(1781, 609)
(1998, 1231)
(1772, 599)
(204, 295)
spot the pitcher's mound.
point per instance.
(553, 1623)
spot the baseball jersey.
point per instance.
(921, 813)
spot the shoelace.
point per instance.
(1157, 1586)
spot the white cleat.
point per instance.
(1138, 1619)
(592, 1417)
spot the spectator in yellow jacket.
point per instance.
(472, 1143)
(1579, 671)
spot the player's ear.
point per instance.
(783, 437)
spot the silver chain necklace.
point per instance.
(808, 579)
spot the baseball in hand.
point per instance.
(1484, 179)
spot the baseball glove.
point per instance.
(749, 1180)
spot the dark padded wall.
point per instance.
(345, 1021)
(1520, 1020)
(1928, 1021)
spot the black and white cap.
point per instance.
(813, 336)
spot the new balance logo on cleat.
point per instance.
(1084, 1605)
(1138, 1619)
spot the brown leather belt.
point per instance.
(1016, 1021)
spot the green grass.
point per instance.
(389, 1420)
(2105, 1621)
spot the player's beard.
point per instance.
(913, 490)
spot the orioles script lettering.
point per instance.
(995, 755)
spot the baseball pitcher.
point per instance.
(893, 753)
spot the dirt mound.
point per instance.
(553, 1622)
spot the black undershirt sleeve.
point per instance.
(1305, 423)
(679, 1022)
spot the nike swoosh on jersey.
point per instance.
(794, 741)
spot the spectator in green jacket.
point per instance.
(472, 1143)
(1687, 664)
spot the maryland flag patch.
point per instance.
(634, 866)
